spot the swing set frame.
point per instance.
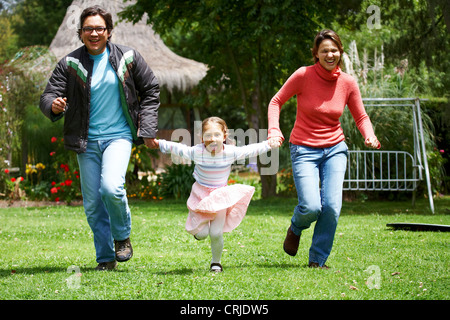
(393, 170)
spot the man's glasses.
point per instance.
(89, 30)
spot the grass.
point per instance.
(40, 244)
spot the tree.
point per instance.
(251, 47)
(413, 37)
(39, 20)
(7, 5)
(8, 40)
(416, 30)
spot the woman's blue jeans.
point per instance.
(102, 173)
(318, 176)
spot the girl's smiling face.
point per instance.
(213, 137)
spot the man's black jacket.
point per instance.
(139, 92)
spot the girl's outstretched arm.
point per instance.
(177, 149)
(251, 150)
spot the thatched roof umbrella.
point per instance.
(172, 70)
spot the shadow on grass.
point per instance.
(49, 270)
(187, 271)
(32, 270)
(269, 266)
(179, 272)
(285, 207)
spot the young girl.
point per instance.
(214, 207)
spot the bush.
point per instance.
(144, 189)
(176, 181)
(285, 185)
(249, 178)
(57, 181)
(11, 186)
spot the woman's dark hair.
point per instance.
(327, 34)
(93, 11)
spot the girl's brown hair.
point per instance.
(215, 120)
(327, 34)
(220, 122)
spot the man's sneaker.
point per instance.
(123, 249)
(105, 266)
(316, 265)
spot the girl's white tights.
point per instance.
(215, 231)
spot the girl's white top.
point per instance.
(213, 171)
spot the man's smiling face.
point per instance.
(95, 42)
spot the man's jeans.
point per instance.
(318, 176)
(102, 172)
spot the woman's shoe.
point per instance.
(291, 242)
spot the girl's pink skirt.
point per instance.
(204, 203)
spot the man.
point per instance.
(109, 98)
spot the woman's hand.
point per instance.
(372, 142)
(275, 142)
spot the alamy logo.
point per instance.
(268, 160)
(73, 14)
(74, 281)
(374, 21)
(374, 280)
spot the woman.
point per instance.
(318, 149)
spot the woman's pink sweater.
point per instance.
(321, 99)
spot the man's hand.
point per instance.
(59, 105)
(151, 143)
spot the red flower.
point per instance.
(54, 190)
(53, 183)
(13, 179)
(54, 139)
(21, 178)
(52, 153)
(57, 199)
(62, 184)
(68, 183)
(65, 167)
(6, 171)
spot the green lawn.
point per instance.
(369, 261)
